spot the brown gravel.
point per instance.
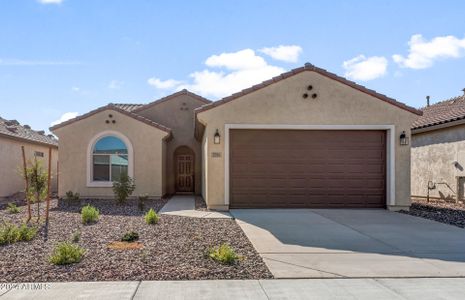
(440, 211)
(173, 249)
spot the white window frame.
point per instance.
(390, 149)
(90, 157)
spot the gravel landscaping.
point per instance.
(440, 211)
(173, 249)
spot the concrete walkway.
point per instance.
(322, 289)
(184, 206)
(352, 243)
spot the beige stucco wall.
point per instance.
(282, 103)
(147, 142)
(178, 114)
(434, 154)
(11, 162)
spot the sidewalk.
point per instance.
(380, 289)
(184, 206)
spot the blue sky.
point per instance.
(59, 58)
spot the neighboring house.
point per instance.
(438, 151)
(306, 138)
(36, 145)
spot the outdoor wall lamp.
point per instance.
(403, 138)
(216, 137)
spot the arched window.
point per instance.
(109, 159)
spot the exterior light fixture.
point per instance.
(403, 139)
(216, 137)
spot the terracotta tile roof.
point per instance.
(323, 72)
(172, 96)
(128, 106)
(114, 107)
(442, 112)
(12, 128)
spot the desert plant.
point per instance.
(123, 187)
(151, 217)
(131, 236)
(76, 237)
(26, 233)
(89, 214)
(38, 178)
(12, 208)
(142, 200)
(10, 233)
(66, 253)
(70, 196)
(223, 254)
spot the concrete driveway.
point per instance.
(321, 243)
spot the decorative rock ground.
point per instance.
(173, 249)
(449, 213)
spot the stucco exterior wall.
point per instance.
(282, 103)
(439, 156)
(177, 114)
(11, 162)
(147, 142)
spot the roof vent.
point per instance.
(11, 129)
(41, 132)
(427, 101)
(51, 136)
(27, 126)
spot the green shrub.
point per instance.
(89, 214)
(223, 254)
(141, 202)
(76, 237)
(66, 253)
(12, 208)
(151, 217)
(10, 233)
(123, 187)
(130, 237)
(70, 196)
(26, 233)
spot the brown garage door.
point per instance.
(307, 168)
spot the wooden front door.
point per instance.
(185, 173)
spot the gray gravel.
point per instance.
(174, 249)
(444, 212)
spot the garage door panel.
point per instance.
(298, 168)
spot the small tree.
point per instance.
(38, 178)
(123, 188)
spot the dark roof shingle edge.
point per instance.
(172, 96)
(12, 129)
(112, 106)
(323, 72)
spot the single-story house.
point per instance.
(438, 151)
(36, 146)
(306, 138)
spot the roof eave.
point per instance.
(312, 68)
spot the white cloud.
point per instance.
(65, 117)
(115, 84)
(285, 53)
(225, 74)
(422, 53)
(240, 60)
(75, 89)
(50, 1)
(365, 68)
(163, 84)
